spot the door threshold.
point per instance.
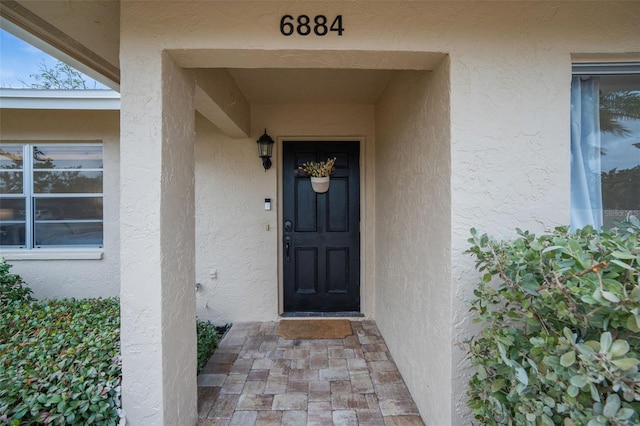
(321, 314)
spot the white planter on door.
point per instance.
(320, 184)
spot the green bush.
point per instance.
(207, 335)
(12, 287)
(561, 336)
(60, 362)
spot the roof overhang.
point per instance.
(60, 99)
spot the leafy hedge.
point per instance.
(12, 287)
(60, 362)
(561, 336)
(60, 359)
(208, 336)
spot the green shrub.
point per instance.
(561, 336)
(207, 335)
(12, 287)
(60, 362)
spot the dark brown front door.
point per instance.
(321, 238)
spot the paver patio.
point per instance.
(256, 377)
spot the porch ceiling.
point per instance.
(278, 86)
(278, 77)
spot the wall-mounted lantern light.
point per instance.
(265, 146)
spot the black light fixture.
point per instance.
(265, 146)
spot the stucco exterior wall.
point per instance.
(413, 198)
(510, 156)
(510, 162)
(157, 214)
(508, 79)
(51, 278)
(177, 235)
(237, 258)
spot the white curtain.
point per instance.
(586, 191)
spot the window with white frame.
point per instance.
(51, 195)
(605, 144)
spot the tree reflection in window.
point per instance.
(620, 152)
(11, 169)
(67, 169)
(54, 198)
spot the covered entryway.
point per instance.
(395, 111)
(321, 235)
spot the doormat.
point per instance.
(314, 329)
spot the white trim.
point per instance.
(60, 99)
(52, 254)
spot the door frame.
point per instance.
(365, 240)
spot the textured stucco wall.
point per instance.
(231, 241)
(413, 196)
(177, 235)
(231, 186)
(509, 133)
(510, 157)
(157, 214)
(73, 278)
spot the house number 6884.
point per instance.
(304, 25)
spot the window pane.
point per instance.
(620, 149)
(10, 156)
(605, 149)
(89, 208)
(11, 182)
(12, 209)
(54, 182)
(12, 234)
(67, 157)
(64, 233)
(37, 206)
(12, 221)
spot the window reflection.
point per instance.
(55, 198)
(11, 157)
(68, 233)
(55, 182)
(67, 157)
(84, 208)
(12, 234)
(620, 147)
(11, 175)
(11, 182)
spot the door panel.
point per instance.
(306, 265)
(338, 197)
(338, 270)
(321, 231)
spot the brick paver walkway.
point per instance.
(256, 377)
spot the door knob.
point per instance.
(287, 247)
